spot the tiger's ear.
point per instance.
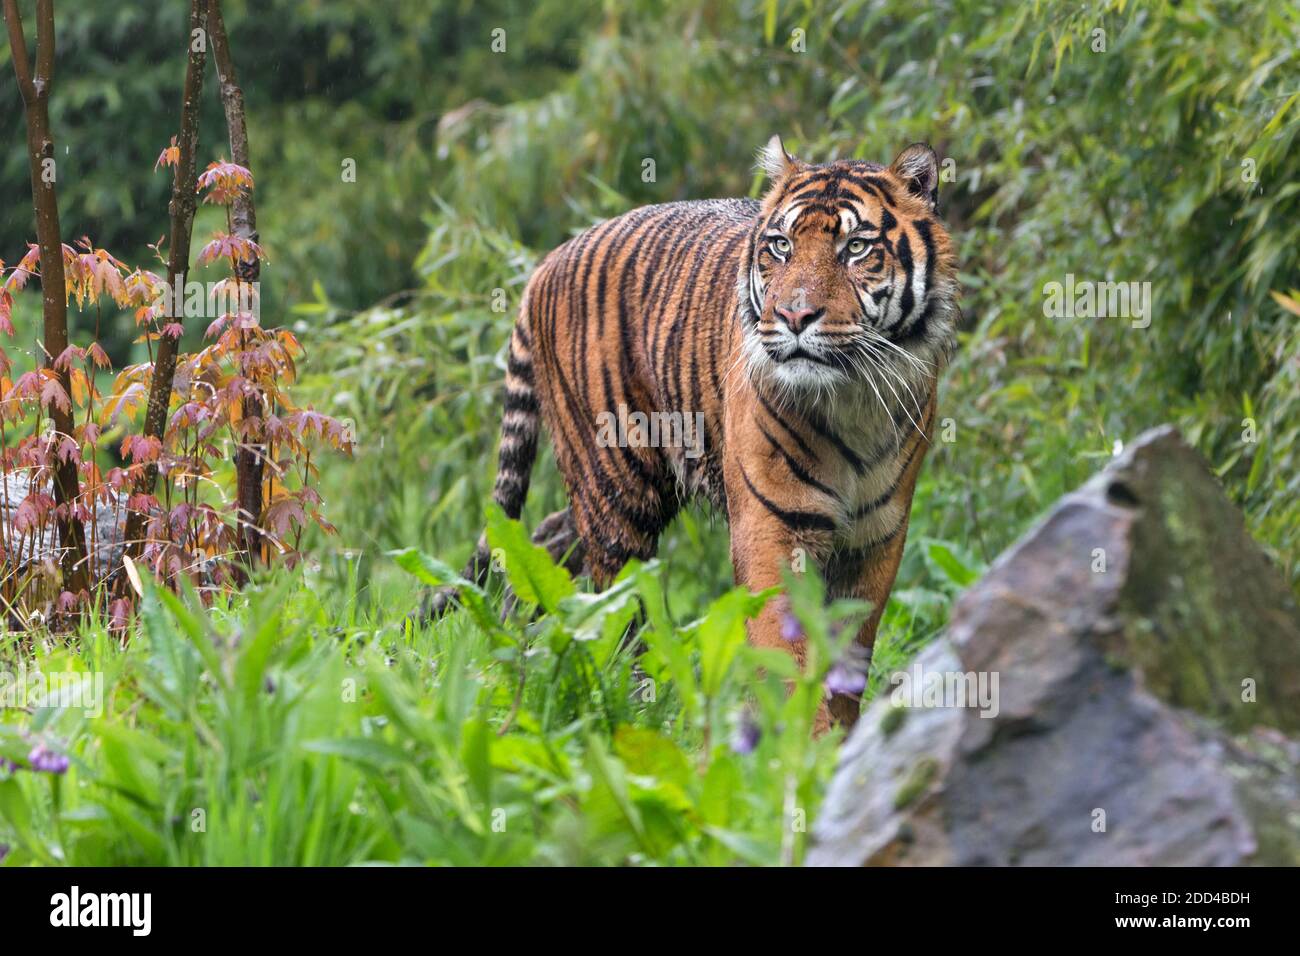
(918, 168)
(775, 161)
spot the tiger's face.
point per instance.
(850, 274)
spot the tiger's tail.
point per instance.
(520, 425)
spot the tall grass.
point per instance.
(296, 725)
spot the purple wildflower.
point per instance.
(791, 629)
(44, 760)
(846, 679)
(747, 736)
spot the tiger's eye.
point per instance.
(857, 246)
(780, 244)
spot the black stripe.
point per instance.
(884, 187)
(515, 460)
(797, 469)
(648, 243)
(590, 244)
(904, 255)
(724, 255)
(521, 402)
(722, 273)
(575, 437)
(927, 239)
(918, 328)
(523, 430)
(520, 367)
(679, 330)
(794, 520)
(749, 266)
(871, 506)
(628, 455)
(824, 430)
(776, 417)
(657, 280)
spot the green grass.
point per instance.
(302, 724)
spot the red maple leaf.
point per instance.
(6, 313)
(169, 156)
(226, 181)
(52, 393)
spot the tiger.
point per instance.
(805, 332)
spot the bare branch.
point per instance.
(49, 237)
(243, 220)
(18, 45)
(44, 45)
(182, 206)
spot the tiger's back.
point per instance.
(630, 325)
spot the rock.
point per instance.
(20, 550)
(1140, 666)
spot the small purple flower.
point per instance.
(843, 678)
(8, 765)
(44, 760)
(747, 736)
(791, 629)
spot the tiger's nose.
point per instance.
(797, 319)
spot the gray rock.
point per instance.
(21, 550)
(1141, 712)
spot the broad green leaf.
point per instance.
(721, 634)
(534, 576)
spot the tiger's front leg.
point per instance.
(766, 540)
(867, 577)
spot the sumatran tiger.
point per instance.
(804, 333)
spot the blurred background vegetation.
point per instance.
(1159, 149)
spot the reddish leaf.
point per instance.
(226, 181)
(69, 450)
(224, 245)
(64, 362)
(52, 393)
(98, 355)
(6, 313)
(169, 156)
(119, 614)
(282, 514)
(141, 448)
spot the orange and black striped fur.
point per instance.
(807, 330)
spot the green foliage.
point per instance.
(1126, 165)
(1168, 158)
(323, 82)
(286, 729)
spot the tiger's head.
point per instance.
(849, 275)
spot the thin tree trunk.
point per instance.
(35, 90)
(182, 206)
(243, 218)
